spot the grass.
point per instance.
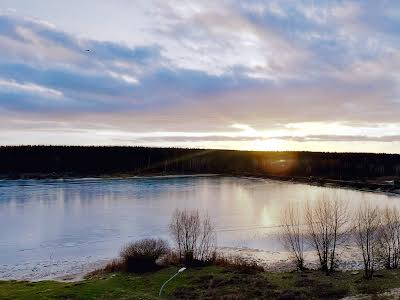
(206, 283)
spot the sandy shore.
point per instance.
(60, 270)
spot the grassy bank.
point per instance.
(206, 283)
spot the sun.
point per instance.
(266, 145)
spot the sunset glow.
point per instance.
(257, 75)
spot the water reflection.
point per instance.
(70, 219)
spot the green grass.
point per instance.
(206, 283)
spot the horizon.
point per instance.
(285, 76)
(188, 148)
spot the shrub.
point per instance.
(141, 256)
(194, 236)
(116, 265)
(239, 264)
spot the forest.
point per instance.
(79, 161)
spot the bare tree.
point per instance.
(207, 243)
(340, 228)
(390, 237)
(194, 235)
(292, 236)
(327, 228)
(366, 229)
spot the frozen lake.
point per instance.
(53, 227)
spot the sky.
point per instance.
(249, 75)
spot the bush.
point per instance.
(116, 265)
(194, 236)
(141, 256)
(239, 264)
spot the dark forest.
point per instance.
(79, 161)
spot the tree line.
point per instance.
(19, 161)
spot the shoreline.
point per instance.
(378, 186)
(271, 261)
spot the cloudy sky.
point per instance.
(264, 75)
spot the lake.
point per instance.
(55, 227)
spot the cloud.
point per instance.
(95, 75)
(33, 88)
(223, 138)
(195, 66)
(341, 138)
(216, 38)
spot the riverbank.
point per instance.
(350, 259)
(386, 185)
(376, 185)
(208, 283)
